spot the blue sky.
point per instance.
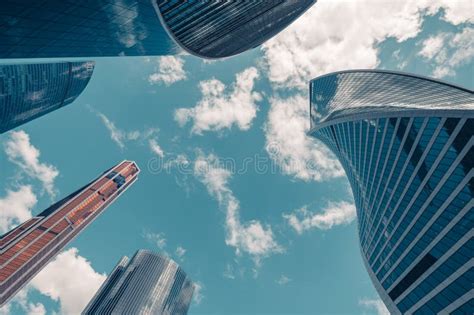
(257, 213)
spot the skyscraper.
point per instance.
(25, 250)
(147, 284)
(29, 91)
(212, 29)
(406, 144)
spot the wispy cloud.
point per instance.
(21, 152)
(16, 207)
(334, 214)
(122, 137)
(283, 280)
(155, 147)
(180, 252)
(117, 135)
(220, 109)
(251, 237)
(157, 239)
(198, 295)
(375, 305)
(289, 146)
(170, 70)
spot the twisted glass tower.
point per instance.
(147, 284)
(406, 144)
(29, 91)
(211, 29)
(28, 248)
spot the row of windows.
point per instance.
(437, 276)
(405, 203)
(437, 228)
(456, 289)
(452, 181)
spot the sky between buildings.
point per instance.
(259, 215)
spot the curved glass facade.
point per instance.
(406, 144)
(28, 91)
(147, 284)
(212, 29)
(215, 29)
(64, 28)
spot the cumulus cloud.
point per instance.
(170, 70)
(448, 51)
(283, 280)
(375, 305)
(15, 207)
(70, 280)
(21, 152)
(288, 145)
(250, 237)
(21, 301)
(221, 109)
(337, 35)
(335, 213)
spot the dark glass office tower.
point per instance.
(147, 284)
(28, 248)
(212, 29)
(406, 144)
(29, 91)
(215, 29)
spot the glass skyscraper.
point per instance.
(28, 91)
(25, 250)
(149, 283)
(406, 144)
(212, 29)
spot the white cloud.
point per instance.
(21, 300)
(21, 152)
(180, 251)
(15, 207)
(229, 272)
(283, 280)
(170, 70)
(70, 280)
(198, 296)
(376, 305)
(337, 35)
(117, 135)
(288, 145)
(219, 109)
(335, 213)
(448, 51)
(157, 239)
(121, 137)
(250, 237)
(155, 148)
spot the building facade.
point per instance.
(211, 29)
(25, 250)
(149, 283)
(29, 91)
(406, 144)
